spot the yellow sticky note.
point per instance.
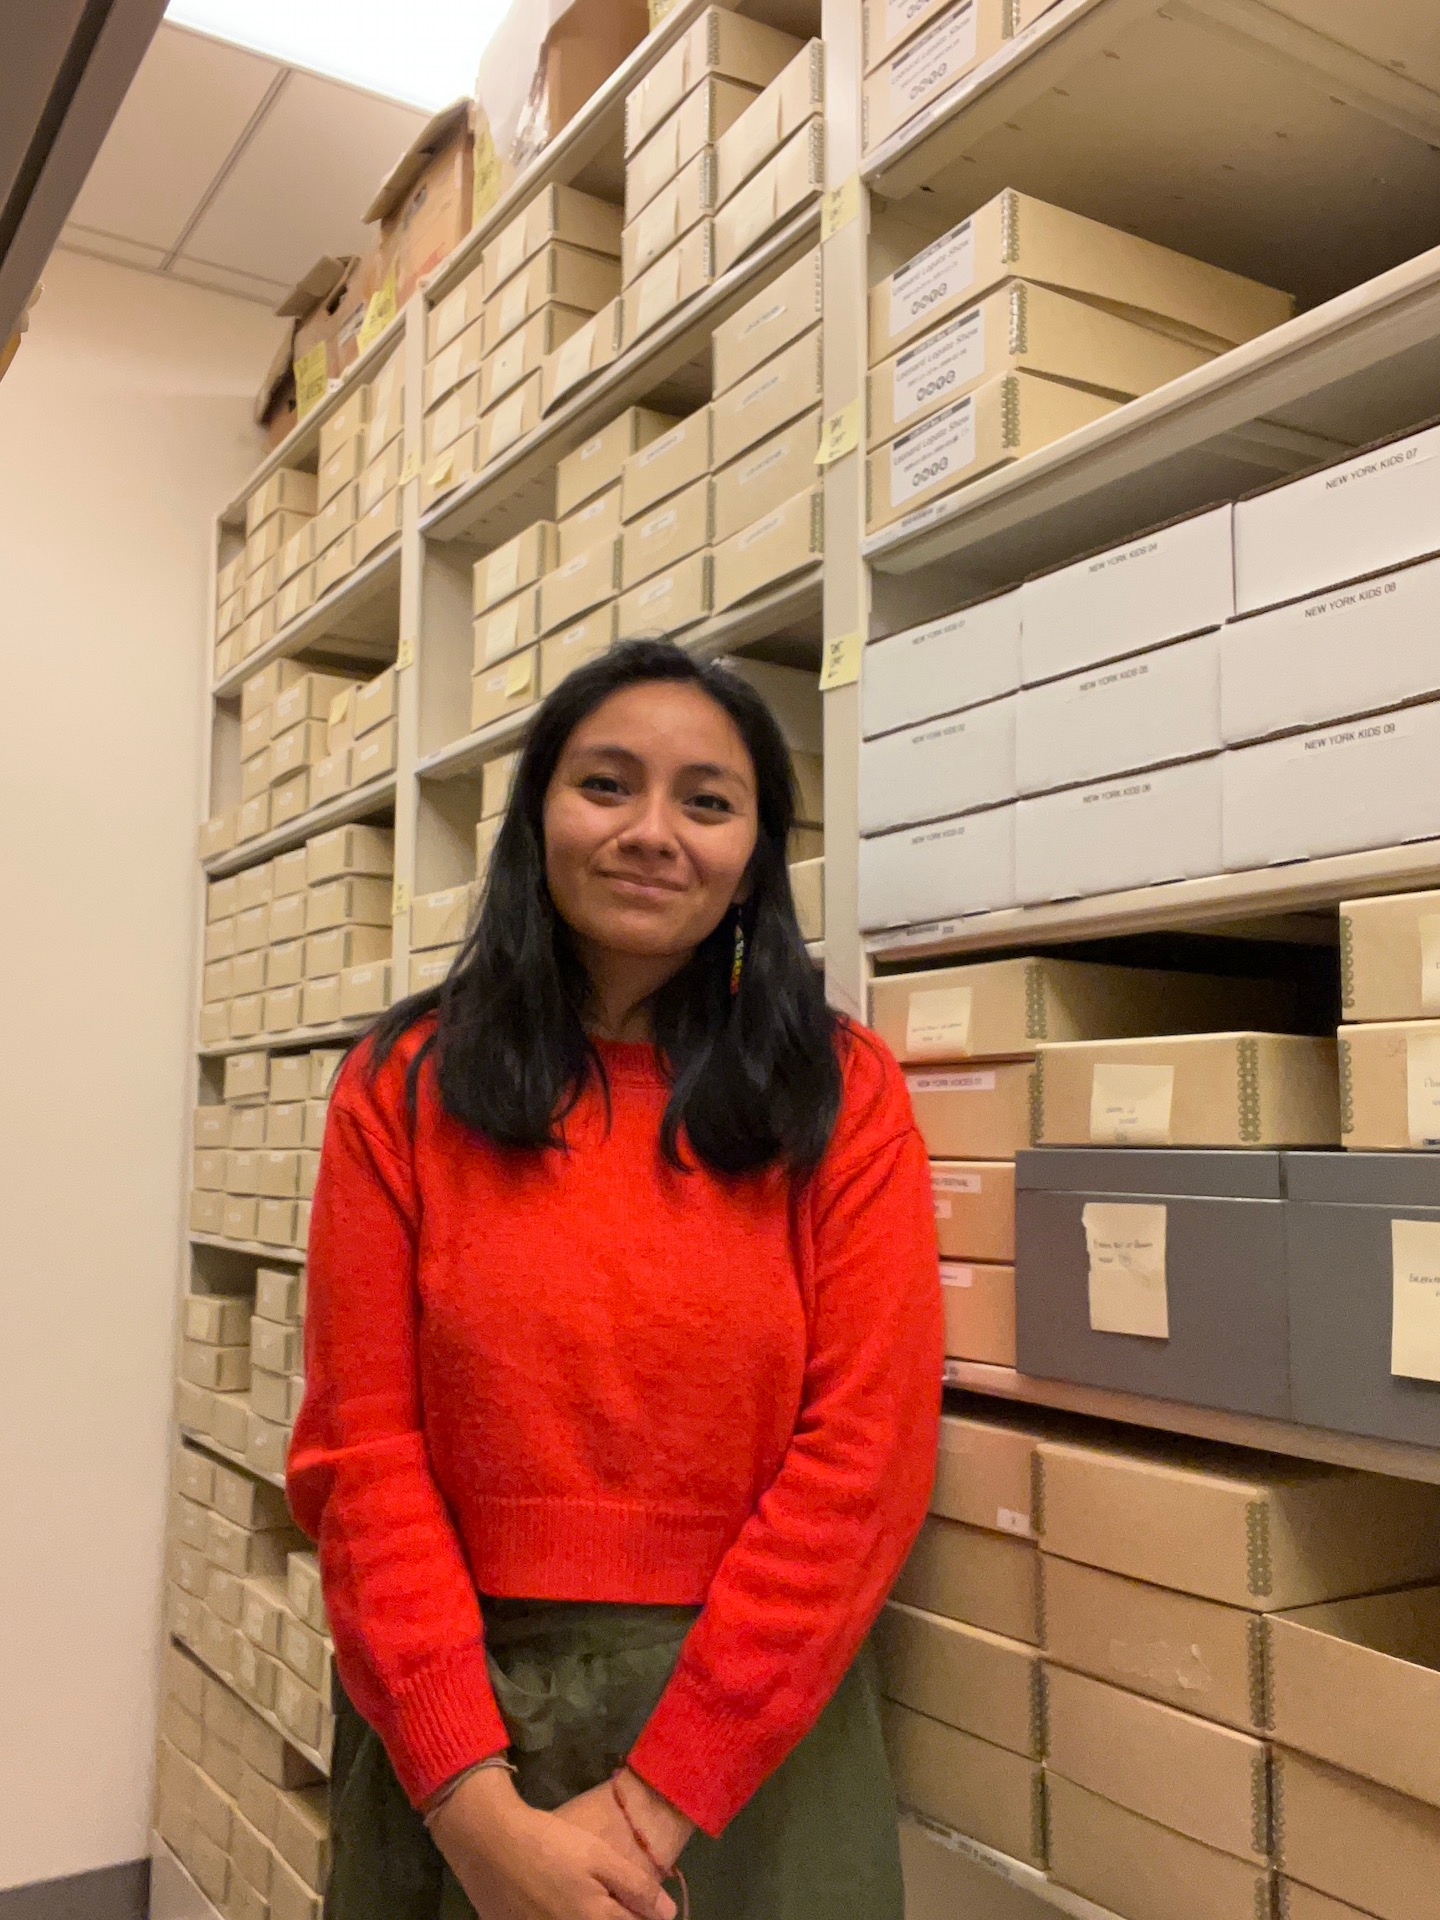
(443, 472)
(841, 665)
(840, 206)
(379, 312)
(520, 673)
(840, 435)
(312, 378)
(405, 654)
(399, 900)
(937, 1023)
(411, 469)
(1128, 1287)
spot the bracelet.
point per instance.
(672, 1873)
(495, 1763)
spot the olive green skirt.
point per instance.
(575, 1684)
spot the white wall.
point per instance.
(124, 424)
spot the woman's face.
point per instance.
(650, 821)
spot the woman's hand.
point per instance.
(516, 1864)
(664, 1829)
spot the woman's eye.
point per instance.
(711, 802)
(601, 783)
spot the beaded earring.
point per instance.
(739, 960)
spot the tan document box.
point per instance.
(781, 187)
(720, 45)
(668, 602)
(1390, 957)
(666, 533)
(675, 278)
(778, 314)
(968, 1785)
(598, 462)
(791, 98)
(1127, 1864)
(677, 459)
(979, 1303)
(973, 1574)
(767, 475)
(961, 1675)
(556, 213)
(770, 550)
(761, 403)
(665, 220)
(924, 49)
(1390, 1085)
(698, 122)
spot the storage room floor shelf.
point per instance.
(1240, 132)
(1363, 365)
(230, 1457)
(1015, 1873)
(359, 618)
(360, 803)
(1218, 900)
(173, 1894)
(312, 1754)
(296, 1040)
(1200, 1423)
(251, 1249)
(792, 607)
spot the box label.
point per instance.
(950, 1082)
(938, 1022)
(1422, 1089)
(502, 574)
(900, 15)
(953, 1276)
(1415, 1320)
(513, 303)
(940, 449)
(572, 362)
(1130, 1105)
(507, 421)
(941, 363)
(1125, 1246)
(946, 268)
(502, 630)
(956, 1182)
(1430, 962)
(1007, 1520)
(941, 54)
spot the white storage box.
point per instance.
(1134, 832)
(1140, 712)
(944, 666)
(1163, 586)
(938, 872)
(940, 768)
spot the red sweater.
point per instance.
(578, 1374)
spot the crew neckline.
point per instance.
(637, 1060)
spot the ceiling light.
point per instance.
(424, 52)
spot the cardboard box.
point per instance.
(510, 420)
(807, 890)
(557, 275)
(297, 552)
(599, 461)
(599, 519)
(1364, 784)
(518, 563)
(675, 278)
(765, 325)
(941, 768)
(505, 690)
(982, 1114)
(1152, 708)
(364, 990)
(456, 465)
(961, 1675)
(974, 1209)
(998, 423)
(987, 1579)
(376, 701)
(672, 461)
(977, 1789)
(1189, 1090)
(1134, 832)
(1390, 1085)
(1331, 657)
(459, 309)
(297, 596)
(720, 45)
(454, 366)
(979, 1303)
(426, 202)
(1204, 1781)
(705, 113)
(781, 187)
(985, 1473)
(1356, 1840)
(1390, 957)
(521, 355)
(666, 534)
(690, 197)
(286, 491)
(1016, 237)
(1195, 1654)
(375, 527)
(282, 1010)
(355, 901)
(302, 1831)
(590, 348)
(1245, 1529)
(924, 874)
(582, 583)
(946, 665)
(1367, 513)
(779, 112)
(763, 401)
(345, 850)
(441, 919)
(320, 1002)
(432, 969)
(1134, 1866)
(497, 777)
(668, 602)
(217, 834)
(513, 624)
(767, 475)
(556, 213)
(328, 954)
(335, 563)
(941, 44)
(563, 652)
(295, 750)
(287, 919)
(1026, 328)
(885, 24)
(785, 540)
(337, 516)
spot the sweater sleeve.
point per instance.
(402, 1606)
(796, 1594)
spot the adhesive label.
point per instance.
(502, 575)
(502, 630)
(1007, 1520)
(944, 271)
(1125, 1246)
(944, 1181)
(938, 1022)
(939, 449)
(934, 58)
(573, 360)
(1130, 1105)
(942, 363)
(955, 1276)
(1415, 1318)
(1422, 1089)
(950, 1082)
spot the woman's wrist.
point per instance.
(665, 1829)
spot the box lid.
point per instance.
(432, 139)
(1218, 1173)
(1364, 1179)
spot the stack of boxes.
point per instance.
(916, 50)
(1021, 325)
(438, 925)
(541, 281)
(673, 122)
(1146, 1668)
(277, 515)
(257, 1151)
(245, 1813)
(358, 497)
(497, 777)
(302, 940)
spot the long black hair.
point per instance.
(754, 1076)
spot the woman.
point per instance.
(623, 1358)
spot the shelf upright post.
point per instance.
(412, 569)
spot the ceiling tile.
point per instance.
(191, 100)
(299, 189)
(109, 246)
(203, 273)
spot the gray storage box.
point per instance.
(1224, 1275)
(1342, 1284)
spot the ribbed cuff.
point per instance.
(702, 1761)
(445, 1720)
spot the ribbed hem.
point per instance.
(704, 1762)
(596, 1550)
(444, 1721)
